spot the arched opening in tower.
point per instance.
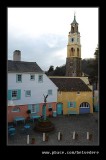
(78, 52)
(72, 52)
(72, 29)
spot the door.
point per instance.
(59, 108)
(84, 108)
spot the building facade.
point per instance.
(74, 96)
(27, 86)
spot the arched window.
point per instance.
(72, 52)
(77, 28)
(72, 29)
(72, 49)
(78, 52)
(84, 105)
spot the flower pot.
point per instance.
(33, 141)
(46, 137)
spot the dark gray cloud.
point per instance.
(41, 49)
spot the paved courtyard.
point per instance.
(81, 124)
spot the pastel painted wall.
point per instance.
(22, 113)
(23, 108)
(65, 97)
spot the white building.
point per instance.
(27, 86)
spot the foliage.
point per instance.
(28, 111)
(94, 75)
(89, 66)
(51, 69)
(33, 138)
(42, 119)
(59, 71)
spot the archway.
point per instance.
(84, 108)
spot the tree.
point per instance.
(94, 75)
(51, 68)
(59, 71)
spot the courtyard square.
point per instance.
(64, 124)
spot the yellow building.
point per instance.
(74, 95)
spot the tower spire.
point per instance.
(74, 21)
(74, 16)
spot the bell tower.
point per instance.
(73, 60)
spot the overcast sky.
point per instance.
(41, 34)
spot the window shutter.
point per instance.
(74, 104)
(25, 93)
(9, 95)
(37, 107)
(68, 104)
(19, 94)
(16, 78)
(29, 106)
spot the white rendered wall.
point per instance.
(37, 88)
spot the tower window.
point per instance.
(72, 29)
(72, 51)
(77, 28)
(78, 52)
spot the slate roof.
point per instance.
(70, 84)
(21, 66)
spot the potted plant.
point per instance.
(50, 109)
(46, 137)
(33, 140)
(28, 112)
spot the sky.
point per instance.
(41, 34)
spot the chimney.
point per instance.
(17, 55)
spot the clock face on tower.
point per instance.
(71, 39)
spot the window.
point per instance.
(16, 109)
(14, 94)
(72, 51)
(72, 29)
(49, 105)
(32, 77)
(34, 108)
(50, 92)
(78, 52)
(84, 105)
(78, 92)
(28, 93)
(18, 78)
(71, 104)
(40, 78)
